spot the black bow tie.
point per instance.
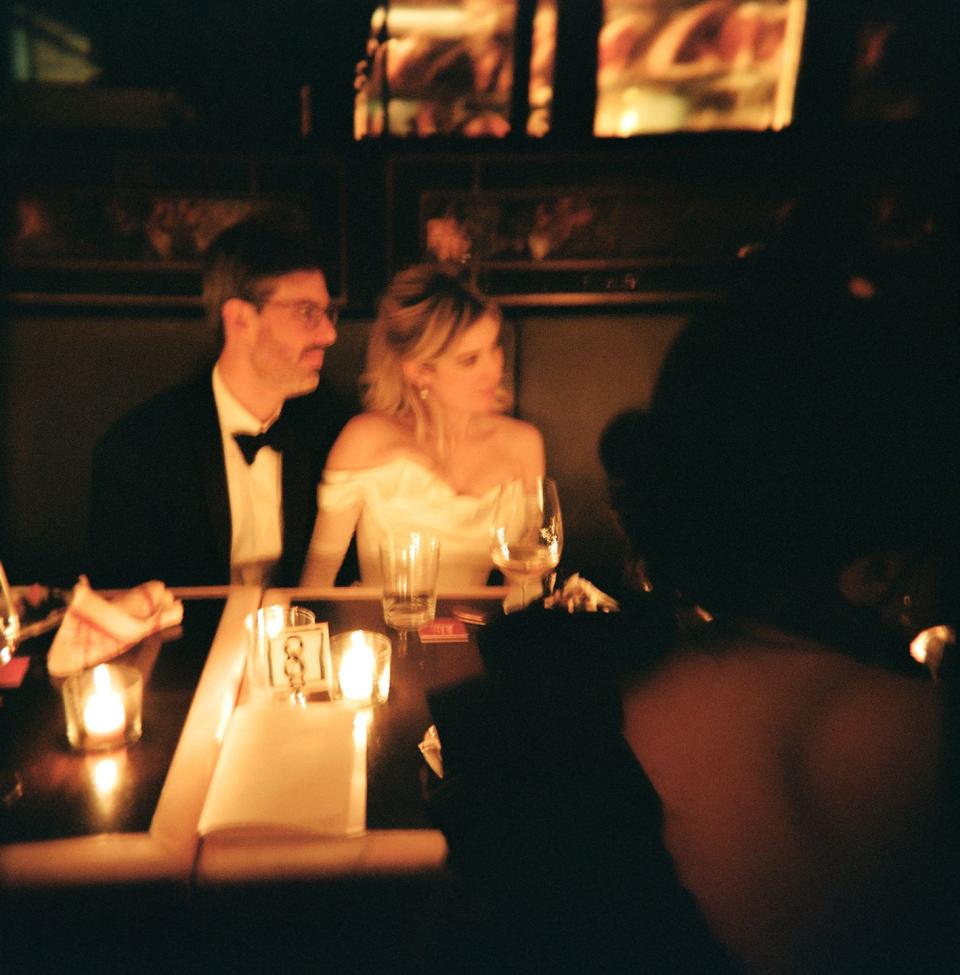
(250, 443)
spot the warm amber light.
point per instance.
(361, 725)
(106, 775)
(358, 668)
(697, 65)
(104, 714)
(929, 646)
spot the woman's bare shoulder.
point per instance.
(512, 428)
(368, 439)
(524, 442)
(875, 752)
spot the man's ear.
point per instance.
(867, 580)
(235, 313)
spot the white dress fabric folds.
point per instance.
(402, 496)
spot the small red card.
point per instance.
(443, 630)
(12, 674)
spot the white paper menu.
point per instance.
(291, 770)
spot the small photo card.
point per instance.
(298, 655)
(443, 629)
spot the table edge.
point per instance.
(167, 851)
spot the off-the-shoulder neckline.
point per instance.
(411, 461)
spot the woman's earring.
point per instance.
(424, 392)
(905, 619)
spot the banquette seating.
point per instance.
(66, 375)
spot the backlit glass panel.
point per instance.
(675, 65)
(437, 67)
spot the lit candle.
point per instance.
(358, 668)
(104, 714)
(929, 647)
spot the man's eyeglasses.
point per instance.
(306, 312)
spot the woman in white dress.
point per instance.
(434, 445)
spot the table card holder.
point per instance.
(297, 658)
(289, 654)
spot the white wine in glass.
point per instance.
(9, 620)
(527, 536)
(11, 786)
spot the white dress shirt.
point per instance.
(255, 492)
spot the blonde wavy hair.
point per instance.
(424, 310)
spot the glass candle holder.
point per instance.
(360, 667)
(104, 707)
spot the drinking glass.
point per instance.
(409, 563)
(285, 650)
(527, 536)
(11, 786)
(9, 620)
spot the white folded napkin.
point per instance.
(291, 770)
(578, 595)
(431, 751)
(581, 595)
(96, 629)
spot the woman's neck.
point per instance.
(447, 432)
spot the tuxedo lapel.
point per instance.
(209, 456)
(299, 504)
(310, 425)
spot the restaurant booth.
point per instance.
(603, 215)
(600, 228)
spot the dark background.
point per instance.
(204, 97)
(225, 77)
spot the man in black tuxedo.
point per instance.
(214, 481)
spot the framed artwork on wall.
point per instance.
(137, 236)
(575, 245)
(566, 232)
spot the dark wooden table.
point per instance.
(97, 856)
(60, 796)
(138, 877)
(366, 903)
(126, 813)
(395, 767)
(399, 838)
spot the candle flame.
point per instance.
(104, 714)
(101, 679)
(358, 668)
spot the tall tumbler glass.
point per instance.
(408, 564)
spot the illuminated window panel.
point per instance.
(677, 65)
(437, 67)
(543, 50)
(46, 50)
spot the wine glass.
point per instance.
(11, 786)
(527, 536)
(9, 620)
